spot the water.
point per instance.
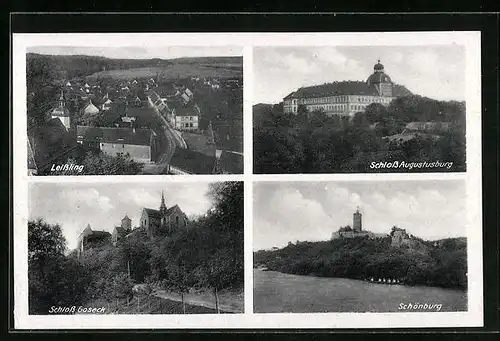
(275, 292)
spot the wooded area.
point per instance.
(312, 142)
(443, 265)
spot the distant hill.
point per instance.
(78, 66)
(440, 263)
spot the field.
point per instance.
(276, 292)
(172, 72)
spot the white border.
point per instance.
(472, 318)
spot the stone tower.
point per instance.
(126, 223)
(356, 221)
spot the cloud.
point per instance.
(291, 211)
(292, 217)
(432, 71)
(103, 205)
(86, 198)
(294, 63)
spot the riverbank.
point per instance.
(276, 292)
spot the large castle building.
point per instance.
(346, 98)
(153, 223)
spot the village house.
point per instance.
(90, 108)
(140, 144)
(186, 117)
(49, 143)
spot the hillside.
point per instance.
(443, 263)
(52, 67)
(318, 143)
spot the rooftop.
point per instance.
(140, 137)
(192, 162)
(343, 88)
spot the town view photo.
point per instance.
(359, 109)
(134, 110)
(364, 246)
(135, 248)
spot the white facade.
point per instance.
(186, 122)
(346, 105)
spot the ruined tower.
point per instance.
(356, 221)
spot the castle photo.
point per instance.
(359, 109)
(94, 112)
(154, 223)
(346, 97)
(359, 246)
(136, 247)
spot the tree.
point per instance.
(177, 281)
(53, 278)
(277, 151)
(104, 164)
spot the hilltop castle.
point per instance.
(356, 230)
(154, 224)
(399, 237)
(348, 97)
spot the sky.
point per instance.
(432, 71)
(103, 205)
(140, 52)
(311, 211)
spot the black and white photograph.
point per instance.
(373, 246)
(134, 110)
(136, 248)
(247, 180)
(359, 109)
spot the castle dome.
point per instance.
(378, 75)
(378, 67)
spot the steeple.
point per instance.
(163, 212)
(163, 207)
(61, 100)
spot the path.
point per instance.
(227, 303)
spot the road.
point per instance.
(168, 140)
(225, 304)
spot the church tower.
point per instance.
(356, 221)
(163, 212)
(62, 113)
